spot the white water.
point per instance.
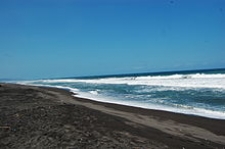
(177, 109)
(148, 86)
(184, 81)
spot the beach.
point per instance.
(41, 117)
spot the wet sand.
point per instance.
(40, 117)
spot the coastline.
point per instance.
(43, 117)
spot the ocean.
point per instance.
(198, 92)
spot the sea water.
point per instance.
(199, 92)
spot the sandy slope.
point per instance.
(35, 117)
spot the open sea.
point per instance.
(198, 92)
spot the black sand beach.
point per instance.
(39, 117)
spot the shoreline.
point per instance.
(167, 109)
(100, 124)
(180, 109)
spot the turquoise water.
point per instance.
(199, 92)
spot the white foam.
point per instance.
(73, 90)
(160, 83)
(183, 109)
(94, 92)
(175, 81)
(94, 95)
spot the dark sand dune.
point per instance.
(38, 117)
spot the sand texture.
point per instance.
(39, 117)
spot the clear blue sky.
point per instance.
(60, 38)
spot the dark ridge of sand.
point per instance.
(39, 117)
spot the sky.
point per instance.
(68, 38)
